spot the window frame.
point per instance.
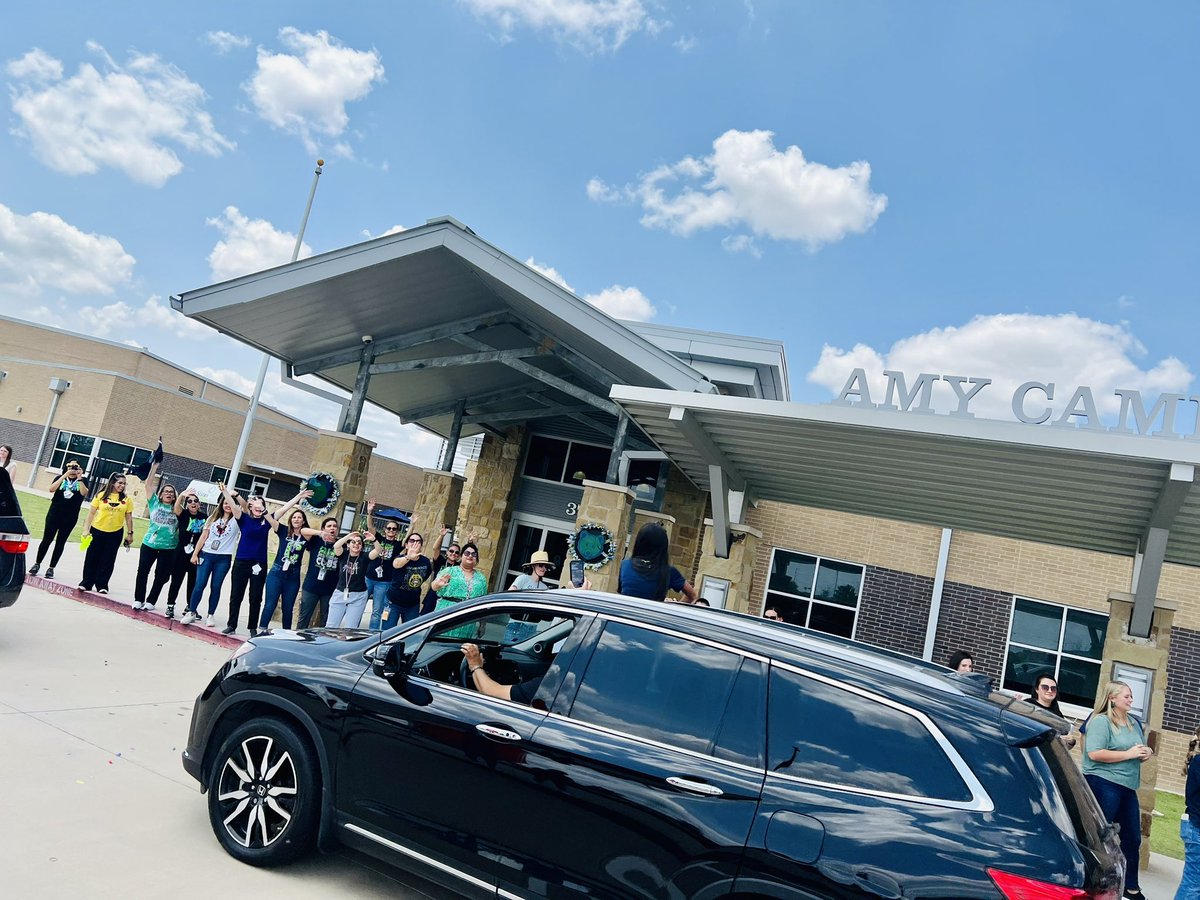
(562, 475)
(1074, 710)
(84, 460)
(810, 600)
(980, 800)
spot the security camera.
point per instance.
(366, 338)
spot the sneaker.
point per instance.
(211, 621)
(139, 606)
(50, 572)
(33, 570)
(170, 611)
(147, 605)
(230, 630)
(188, 618)
(101, 590)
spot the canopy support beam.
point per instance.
(1171, 498)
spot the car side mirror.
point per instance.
(393, 663)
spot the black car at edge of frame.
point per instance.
(669, 751)
(14, 541)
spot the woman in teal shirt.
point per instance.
(160, 541)
(1112, 764)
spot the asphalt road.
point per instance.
(94, 712)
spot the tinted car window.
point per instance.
(827, 734)
(743, 732)
(657, 686)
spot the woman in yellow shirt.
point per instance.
(109, 513)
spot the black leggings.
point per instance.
(59, 524)
(101, 558)
(180, 568)
(161, 562)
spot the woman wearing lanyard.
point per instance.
(350, 599)
(283, 581)
(110, 515)
(189, 523)
(250, 562)
(213, 556)
(67, 494)
(321, 578)
(379, 572)
(410, 570)
(159, 542)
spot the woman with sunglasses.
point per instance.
(379, 570)
(283, 581)
(213, 556)
(350, 597)
(1045, 695)
(410, 571)
(67, 493)
(189, 524)
(159, 542)
(451, 556)
(110, 514)
(321, 578)
(462, 582)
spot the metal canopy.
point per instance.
(452, 319)
(1064, 486)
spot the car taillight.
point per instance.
(13, 544)
(1018, 887)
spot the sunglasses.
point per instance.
(392, 528)
(1048, 687)
(772, 618)
(453, 552)
(470, 553)
(416, 540)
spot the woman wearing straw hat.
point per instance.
(536, 569)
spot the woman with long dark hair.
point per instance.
(461, 582)
(1045, 695)
(648, 572)
(283, 581)
(1112, 765)
(110, 514)
(6, 461)
(189, 524)
(159, 542)
(67, 493)
(214, 555)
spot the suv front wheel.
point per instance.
(263, 794)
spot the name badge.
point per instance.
(379, 571)
(67, 495)
(255, 569)
(321, 575)
(287, 564)
(189, 548)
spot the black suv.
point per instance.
(14, 541)
(668, 751)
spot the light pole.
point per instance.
(58, 386)
(240, 454)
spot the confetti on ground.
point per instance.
(80, 781)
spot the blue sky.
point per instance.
(1000, 190)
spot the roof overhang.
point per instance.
(1099, 491)
(451, 319)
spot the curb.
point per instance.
(150, 617)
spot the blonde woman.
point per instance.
(1112, 764)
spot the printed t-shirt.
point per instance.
(163, 531)
(188, 531)
(222, 537)
(633, 583)
(381, 569)
(253, 545)
(287, 557)
(321, 578)
(352, 575)
(525, 582)
(1101, 735)
(68, 498)
(110, 512)
(406, 582)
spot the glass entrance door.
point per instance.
(529, 536)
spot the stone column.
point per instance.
(1146, 653)
(488, 506)
(738, 570)
(608, 505)
(437, 504)
(347, 457)
(686, 504)
(642, 517)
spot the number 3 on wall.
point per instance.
(572, 509)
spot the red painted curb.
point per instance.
(150, 617)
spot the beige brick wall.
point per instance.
(26, 397)
(1181, 585)
(394, 483)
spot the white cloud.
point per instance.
(1067, 350)
(124, 117)
(41, 251)
(225, 42)
(549, 272)
(746, 182)
(118, 320)
(623, 303)
(592, 26)
(305, 92)
(741, 243)
(248, 245)
(685, 44)
(395, 229)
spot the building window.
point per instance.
(1047, 637)
(567, 462)
(247, 485)
(70, 446)
(814, 592)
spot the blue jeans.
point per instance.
(1120, 807)
(283, 586)
(1189, 887)
(377, 591)
(216, 566)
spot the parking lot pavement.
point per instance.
(94, 712)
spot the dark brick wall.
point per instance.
(180, 470)
(893, 610)
(1181, 711)
(23, 437)
(973, 619)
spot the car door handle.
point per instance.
(696, 787)
(500, 734)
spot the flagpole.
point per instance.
(239, 456)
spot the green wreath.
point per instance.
(593, 544)
(326, 493)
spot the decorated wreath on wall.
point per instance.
(593, 544)
(326, 493)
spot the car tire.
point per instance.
(264, 793)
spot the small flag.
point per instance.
(143, 471)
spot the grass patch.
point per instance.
(34, 508)
(1164, 834)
